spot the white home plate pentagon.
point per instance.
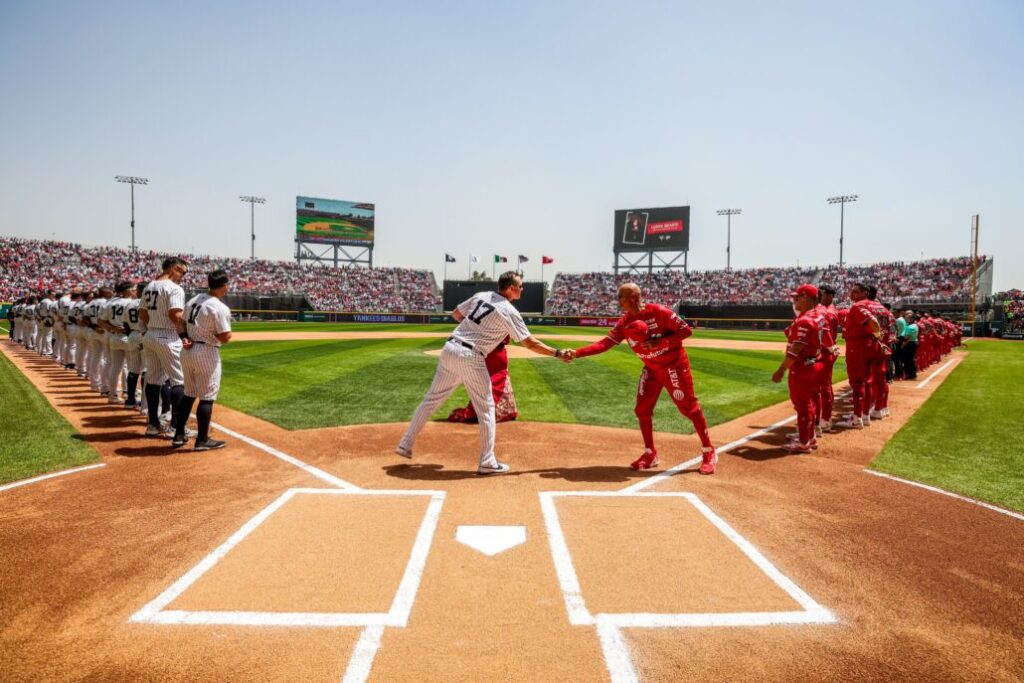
(491, 540)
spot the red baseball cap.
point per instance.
(809, 290)
(636, 331)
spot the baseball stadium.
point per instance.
(329, 462)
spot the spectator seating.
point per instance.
(31, 266)
(918, 281)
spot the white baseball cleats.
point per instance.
(498, 468)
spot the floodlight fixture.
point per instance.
(252, 201)
(728, 213)
(841, 200)
(133, 181)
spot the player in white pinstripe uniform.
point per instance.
(45, 312)
(99, 352)
(60, 334)
(485, 319)
(208, 322)
(82, 329)
(133, 354)
(163, 301)
(112, 321)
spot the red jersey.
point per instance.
(830, 325)
(665, 334)
(886, 322)
(857, 320)
(804, 337)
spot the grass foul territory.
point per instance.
(308, 384)
(41, 440)
(966, 438)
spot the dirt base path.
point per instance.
(920, 587)
(309, 336)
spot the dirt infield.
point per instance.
(552, 338)
(231, 574)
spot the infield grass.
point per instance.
(966, 437)
(308, 384)
(37, 439)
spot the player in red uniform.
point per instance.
(655, 334)
(859, 329)
(505, 407)
(829, 353)
(804, 365)
(882, 352)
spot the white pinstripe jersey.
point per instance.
(489, 318)
(93, 308)
(131, 316)
(159, 297)
(113, 311)
(63, 306)
(207, 316)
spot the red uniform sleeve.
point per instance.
(802, 335)
(611, 341)
(597, 347)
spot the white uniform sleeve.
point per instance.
(466, 307)
(176, 300)
(223, 319)
(517, 328)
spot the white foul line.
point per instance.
(972, 501)
(932, 376)
(657, 478)
(33, 480)
(291, 460)
(616, 652)
(365, 651)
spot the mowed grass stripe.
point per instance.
(39, 439)
(966, 437)
(253, 381)
(309, 384)
(380, 384)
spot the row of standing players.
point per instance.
(880, 347)
(146, 331)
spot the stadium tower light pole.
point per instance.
(253, 201)
(728, 213)
(133, 181)
(841, 201)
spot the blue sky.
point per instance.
(519, 128)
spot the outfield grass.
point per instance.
(966, 438)
(306, 384)
(38, 440)
(260, 326)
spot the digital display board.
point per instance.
(333, 221)
(661, 229)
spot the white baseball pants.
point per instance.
(459, 365)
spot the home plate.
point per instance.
(491, 540)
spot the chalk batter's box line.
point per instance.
(812, 612)
(397, 615)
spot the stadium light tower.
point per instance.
(253, 201)
(841, 201)
(728, 213)
(133, 181)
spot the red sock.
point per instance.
(647, 430)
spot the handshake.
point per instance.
(566, 355)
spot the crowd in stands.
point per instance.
(917, 281)
(30, 266)
(1012, 302)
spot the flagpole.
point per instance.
(469, 267)
(445, 268)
